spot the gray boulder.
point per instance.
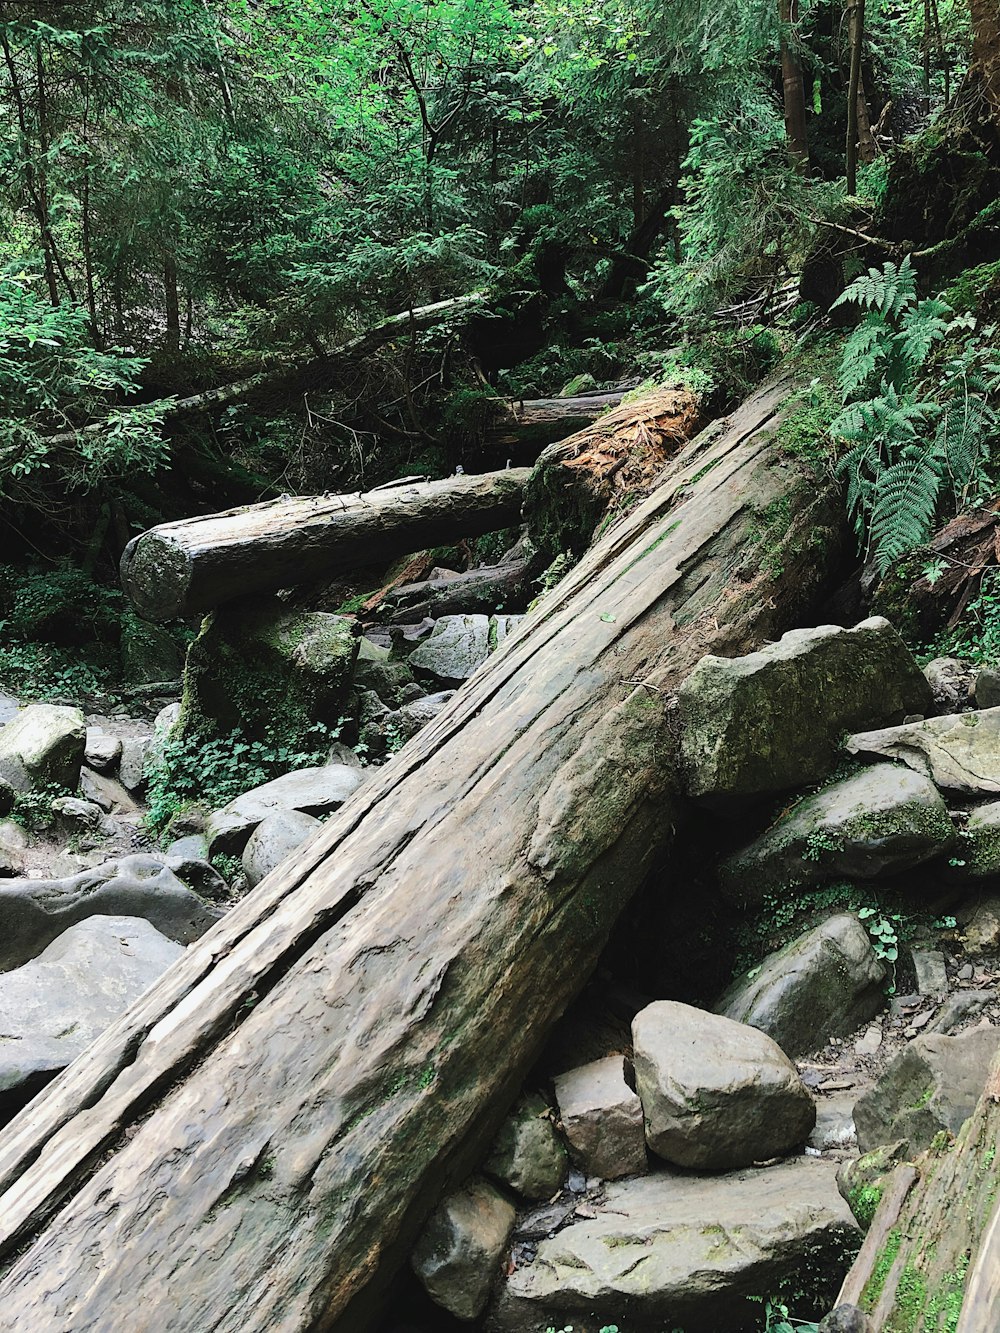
(884, 819)
(826, 983)
(960, 752)
(106, 792)
(275, 838)
(670, 1252)
(411, 717)
(35, 911)
(102, 751)
(192, 846)
(774, 719)
(52, 1008)
(715, 1094)
(527, 1154)
(43, 743)
(391, 681)
(981, 842)
(951, 683)
(458, 1255)
(932, 1085)
(602, 1119)
(982, 933)
(317, 791)
(14, 841)
(132, 765)
(455, 648)
(987, 688)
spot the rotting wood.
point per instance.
(255, 1143)
(886, 1216)
(180, 568)
(477, 590)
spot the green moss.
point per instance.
(864, 1202)
(880, 1271)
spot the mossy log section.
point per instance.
(932, 1261)
(255, 1144)
(540, 421)
(195, 564)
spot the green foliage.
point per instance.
(977, 635)
(33, 809)
(916, 383)
(51, 377)
(215, 770)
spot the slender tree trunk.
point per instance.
(31, 184)
(171, 302)
(927, 58)
(794, 88)
(985, 16)
(43, 171)
(867, 148)
(856, 30)
(86, 244)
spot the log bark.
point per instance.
(255, 1143)
(181, 568)
(396, 326)
(932, 1257)
(541, 421)
(488, 589)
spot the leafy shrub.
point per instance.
(215, 770)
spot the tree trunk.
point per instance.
(934, 1244)
(180, 568)
(396, 326)
(254, 1145)
(856, 34)
(986, 50)
(541, 421)
(794, 89)
(171, 303)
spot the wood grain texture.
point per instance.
(934, 1246)
(195, 564)
(254, 1144)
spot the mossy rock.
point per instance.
(267, 672)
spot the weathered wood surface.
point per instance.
(180, 568)
(933, 1248)
(542, 420)
(396, 326)
(254, 1144)
(477, 590)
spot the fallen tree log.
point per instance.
(933, 1249)
(180, 568)
(540, 421)
(396, 326)
(255, 1143)
(487, 589)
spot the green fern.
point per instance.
(912, 435)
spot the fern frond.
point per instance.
(905, 498)
(889, 290)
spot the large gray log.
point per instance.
(180, 568)
(255, 1144)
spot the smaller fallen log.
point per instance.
(479, 590)
(181, 568)
(933, 1250)
(396, 326)
(540, 421)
